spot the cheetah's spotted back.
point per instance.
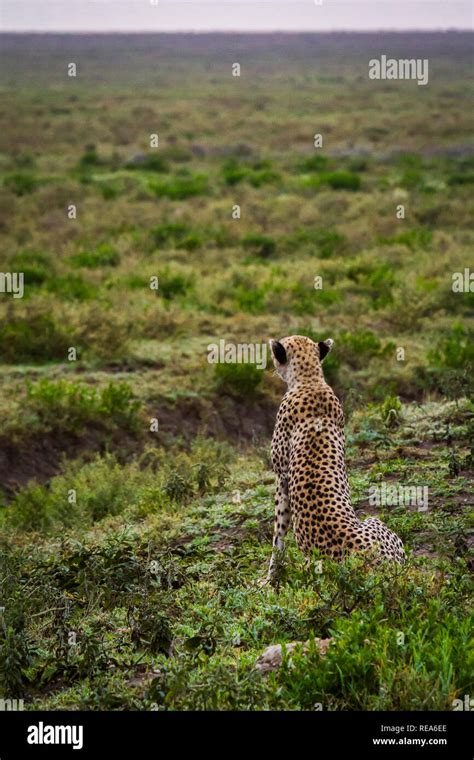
(308, 456)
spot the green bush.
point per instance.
(171, 232)
(66, 405)
(102, 487)
(178, 485)
(181, 186)
(21, 183)
(261, 246)
(316, 163)
(379, 283)
(176, 235)
(241, 380)
(108, 190)
(388, 676)
(341, 180)
(412, 179)
(258, 174)
(417, 238)
(461, 178)
(102, 334)
(90, 157)
(358, 348)
(233, 172)
(104, 255)
(262, 173)
(391, 411)
(173, 285)
(34, 337)
(455, 351)
(252, 300)
(328, 243)
(16, 656)
(36, 267)
(71, 287)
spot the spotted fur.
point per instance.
(308, 457)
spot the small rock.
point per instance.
(271, 658)
(198, 150)
(138, 158)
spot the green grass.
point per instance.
(156, 568)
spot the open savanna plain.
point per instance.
(131, 556)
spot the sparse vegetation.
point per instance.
(136, 492)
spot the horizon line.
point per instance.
(394, 30)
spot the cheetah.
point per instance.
(308, 450)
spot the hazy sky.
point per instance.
(227, 15)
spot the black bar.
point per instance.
(327, 734)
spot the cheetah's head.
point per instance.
(298, 357)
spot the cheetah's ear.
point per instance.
(325, 347)
(279, 351)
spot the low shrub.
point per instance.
(316, 163)
(35, 336)
(72, 406)
(258, 245)
(341, 180)
(90, 157)
(358, 348)
(455, 350)
(181, 186)
(36, 267)
(170, 232)
(258, 174)
(173, 285)
(21, 183)
(417, 238)
(79, 497)
(104, 255)
(71, 287)
(241, 380)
